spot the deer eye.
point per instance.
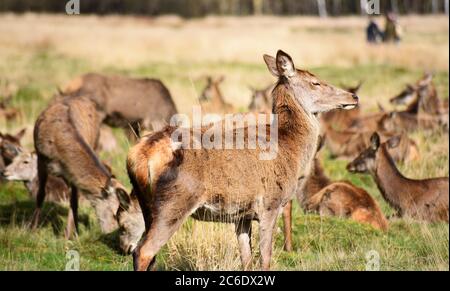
(316, 83)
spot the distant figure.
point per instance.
(392, 31)
(374, 34)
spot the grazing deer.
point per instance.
(342, 199)
(261, 100)
(348, 144)
(65, 136)
(419, 199)
(9, 147)
(139, 103)
(212, 100)
(24, 169)
(340, 119)
(172, 183)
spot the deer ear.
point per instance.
(271, 65)
(20, 134)
(394, 142)
(124, 199)
(375, 141)
(285, 65)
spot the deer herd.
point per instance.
(172, 182)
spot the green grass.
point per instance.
(320, 243)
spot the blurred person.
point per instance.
(393, 31)
(374, 34)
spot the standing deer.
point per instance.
(419, 199)
(212, 100)
(65, 136)
(171, 183)
(126, 102)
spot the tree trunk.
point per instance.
(322, 5)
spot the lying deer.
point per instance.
(419, 199)
(139, 103)
(212, 100)
(408, 122)
(24, 169)
(421, 97)
(348, 144)
(65, 136)
(172, 183)
(342, 199)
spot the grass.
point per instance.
(38, 62)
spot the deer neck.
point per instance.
(298, 129)
(389, 179)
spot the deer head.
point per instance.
(311, 93)
(131, 222)
(22, 168)
(366, 161)
(212, 89)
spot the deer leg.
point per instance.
(42, 176)
(244, 236)
(266, 226)
(287, 223)
(72, 219)
(163, 225)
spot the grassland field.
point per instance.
(39, 52)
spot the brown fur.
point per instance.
(65, 136)
(419, 199)
(348, 144)
(141, 103)
(407, 122)
(208, 183)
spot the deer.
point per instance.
(261, 100)
(6, 112)
(129, 103)
(421, 97)
(65, 139)
(9, 147)
(173, 182)
(24, 168)
(425, 200)
(341, 198)
(403, 121)
(348, 144)
(211, 99)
